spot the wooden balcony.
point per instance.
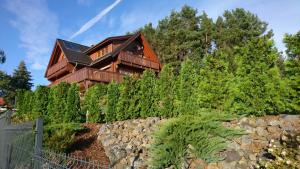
(138, 61)
(90, 74)
(58, 69)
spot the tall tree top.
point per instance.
(292, 43)
(22, 77)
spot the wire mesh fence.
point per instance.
(21, 148)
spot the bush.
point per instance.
(112, 101)
(202, 136)
(73, 113)
(59, 137)
(94, 103)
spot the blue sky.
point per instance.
(30, 27)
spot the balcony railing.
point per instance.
(90, 74)
(137, 61)
(55, 69)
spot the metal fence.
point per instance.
(21, 148)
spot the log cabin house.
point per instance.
(104, 62)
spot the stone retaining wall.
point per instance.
(126, 143)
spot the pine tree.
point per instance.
(257, 83)
(112, 101)
(148, 94)
(166, 89)
(40, 101)
(22, 77)
(73, 109)
(292, 72)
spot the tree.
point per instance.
(57, 105)
(213, 86)
(22, 77)
(112, 101)
(258, 88)
(292, 71)
(94, 103)
(187, 81)
(6, 88)
(2, 57)
(127, 106)
(73, 109)
(148, 94)
(40, 101)
(167, 92)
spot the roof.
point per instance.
(77, 53)
(74, 52)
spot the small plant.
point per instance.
(190, 136)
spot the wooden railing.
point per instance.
(57, 67)
(90, 74)
(135, 60)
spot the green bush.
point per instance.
(40, 102)
(202, 136)
(94, 103)
(73, 112)
(112, 101)
(59, 137)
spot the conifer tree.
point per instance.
(72, 113)
(22, 77)
(112, 101)
(292, 66)
(127, 104)
(148, 94)
(258, 88)
(187, 84)
(214, 83)
(57, 102)
(166, 89)
(93, 103)
(40, 101)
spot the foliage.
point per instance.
(127, 103)
(213, 83)
(40, 102)
(283, 154)
(57, 105)
(93, 103)
(148, 95)
(60, 137)
(201, 136)
(22, 77)
(166, 92)
(72, 113)
(292, 72)
(113, 94)
(258, 86)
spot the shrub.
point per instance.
(40, 102)
(94, 103)
(73, 113)
(202, 136)
(59, 137)
(112, 101)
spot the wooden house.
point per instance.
(104, 62)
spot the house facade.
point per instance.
(109, 60)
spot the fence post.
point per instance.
(38, 143)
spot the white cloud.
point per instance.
(38, 28)
(94, 20)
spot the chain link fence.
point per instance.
(21, 148)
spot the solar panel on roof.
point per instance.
(72, 46)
